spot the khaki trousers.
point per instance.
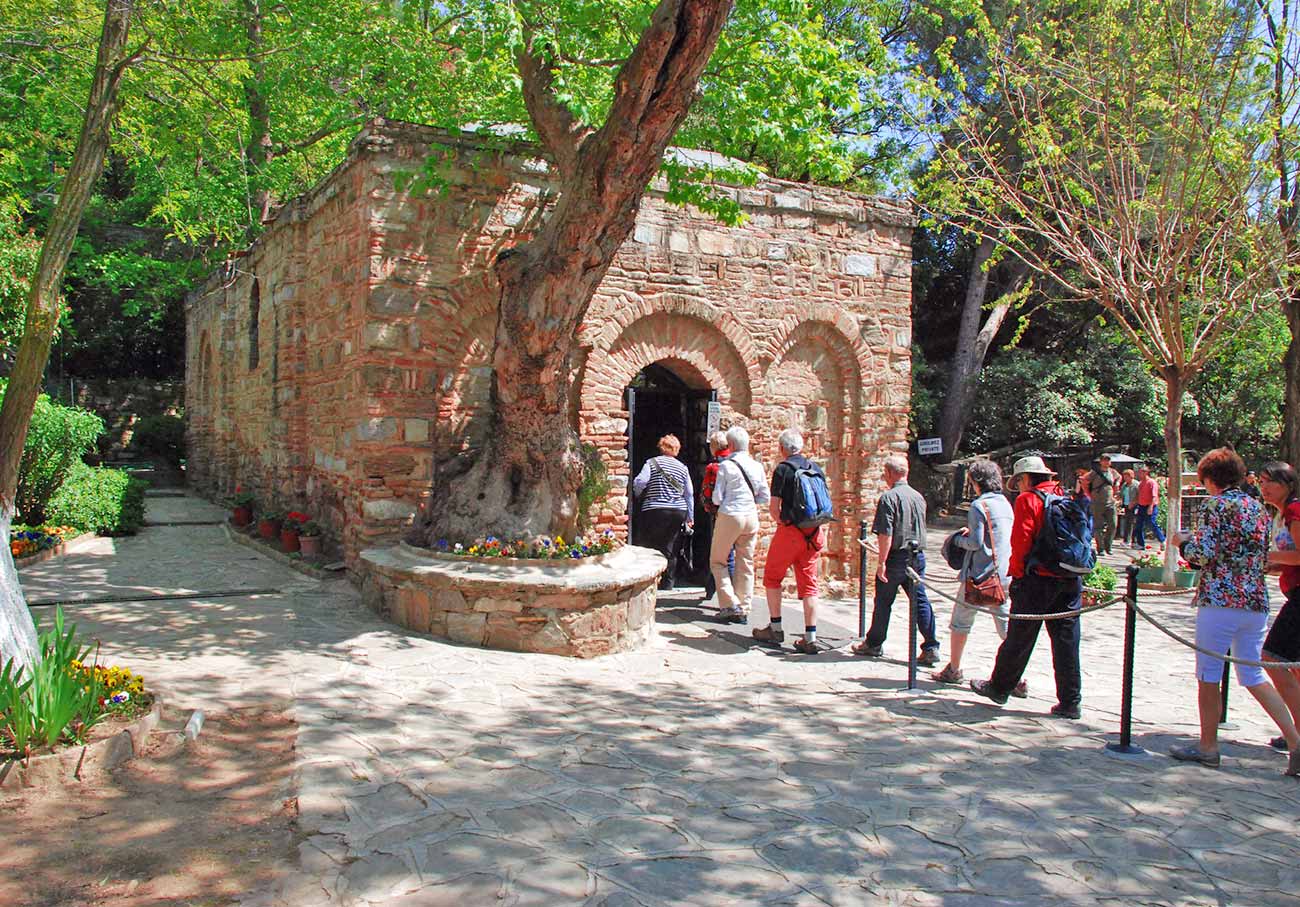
(741, 531)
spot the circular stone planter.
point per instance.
(582, 608)
(77, 762)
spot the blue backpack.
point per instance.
(810, 504)
(1064, 542)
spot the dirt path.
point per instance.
(193, 824)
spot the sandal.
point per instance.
(949, 674)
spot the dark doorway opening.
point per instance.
(660, 403)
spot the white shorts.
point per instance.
(1219, 629)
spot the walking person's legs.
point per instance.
(726, 530)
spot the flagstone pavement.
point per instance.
(702, 770)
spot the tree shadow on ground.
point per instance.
(184, 823)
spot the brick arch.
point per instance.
(838, 328)
(628, 307)
(661, 336)
(852, 360)
(462, 404)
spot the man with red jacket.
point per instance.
(1037, 590)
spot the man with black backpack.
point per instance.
(800, 505)
(1051, 552)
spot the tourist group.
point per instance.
(1023, 563)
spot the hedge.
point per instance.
(107, 501)
(56, 440)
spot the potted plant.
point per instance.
(268, 526)
(1150, 566)
(1186, 576)
(309, 537)
(1101, 579)
(289, 529)
(242, 505)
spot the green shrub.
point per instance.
(595, 484)
(162, 437)
(107, 501)
(56, 440)
(1101, 577)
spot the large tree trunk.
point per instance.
(17, 632)
(526, 480)
(1176, 384)
(258, 150)
(1291, 411)
(973, 342)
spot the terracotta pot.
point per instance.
(309, 545)
(241, 516)
(288, 540)
(268, 529)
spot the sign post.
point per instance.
(715, 416)
(929, 447)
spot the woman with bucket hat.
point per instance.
(1037, 588)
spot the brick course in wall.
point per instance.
(374, 309)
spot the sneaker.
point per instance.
(928, 658)
(1192, 753)
(868, 651)
(731, 616)
(985, 689)
(804, 647)
(949, 674)
(1278, 743)
(1067, 711)
(769, 635)
(1020, 690)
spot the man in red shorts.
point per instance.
(791, 547)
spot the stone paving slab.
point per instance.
(701, 770)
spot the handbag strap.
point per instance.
(993, 540)
(673, 482)
(743, 474)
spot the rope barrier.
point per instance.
(997, 612)
(1230, 659)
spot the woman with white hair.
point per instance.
(740, 490)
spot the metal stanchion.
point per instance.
(1224, 723)
(910, 585)
(1126, 747)
(862, 580)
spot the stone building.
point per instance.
(331, 364)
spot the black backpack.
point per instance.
(1064, 542)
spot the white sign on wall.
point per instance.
(929, 447)
(715, 416)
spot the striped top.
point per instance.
(664, 484)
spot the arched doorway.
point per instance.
(673, 398)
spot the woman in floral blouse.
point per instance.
(1231, 547)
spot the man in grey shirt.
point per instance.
(1101, 490)
(900, 520)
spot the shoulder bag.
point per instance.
(988, 591)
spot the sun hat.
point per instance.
(1030, 464)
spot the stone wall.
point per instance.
(121, 403)
(377, 313)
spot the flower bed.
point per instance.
(544, 548)
(60, 699)
(581, 607)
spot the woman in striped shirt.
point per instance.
(667, 502)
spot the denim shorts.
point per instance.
(1219, 629)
